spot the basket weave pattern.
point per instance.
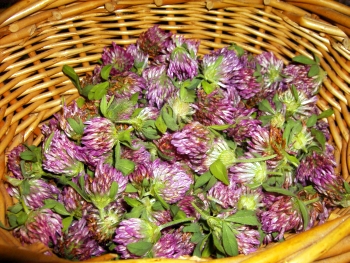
(39, 37)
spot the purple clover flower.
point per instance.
(125, 84)
(215, 108)
(173, 244)
(318, 170)
(281, 216)
(170, 181)
(118, 57)
(153, 41)
(41, 226)
(271, 70)
(14, 159)
(103, 229)
(60, 155)
(98, 187)
(77, 243)
(159, 86)
(248, 240)
(73, 202)
(224, 195)
(220, 66)
(140, 58)
(99, 134)
(193, 142)
(134, 230)
(297, 75)
(183, 62)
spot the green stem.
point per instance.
(175, 222)
(275, 173)
(253, 160)
(311, 201)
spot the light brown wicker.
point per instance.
(37, 37)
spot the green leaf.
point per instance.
(239, 50)
(208, 88)
(125, 166)
(264, 105)
(135, 212)
(80, 102)
(15, 208)
(304, 213)
(319, 136)
(73, 76)
(21, 217)
(219, 170)
(265, 119)
(77, 126)
(113, 191)
(49, 203)
(210, 184)
(125, 136)
(313, 71)
(304, 60)
(60, 209)
(157, 206)
(104, 106)
(169, 119)
(220, 127)
(217, 242)
(277, 190)
(130, 189)
(229, 240)
(202, 179)
(48, 142)
(295, 93)
(132, 201)
(28, 156)
(325, 114)
(13, 181)
(66, 222)
(149, 130)
(139, 248)
(201, 245)
(105, 71)
(160, 124)
(245, 217)
(25, 186)
(12, 221)
(98, 91)
(347, 187)
(311, 121)
(292, 159)
(192, 228)
(86, 90)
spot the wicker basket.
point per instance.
(39, 36)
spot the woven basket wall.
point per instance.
(37, 37)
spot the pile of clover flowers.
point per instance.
(168, 154)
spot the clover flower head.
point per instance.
(170, 181)
(302, 105)
(160, 86)
(118, 57)
(42, 226)
(125, 84)
(100, 134)
(220, 66)
(224, 195)
(183, 62)
(173, 244)
(220, 151)
(271, 69)
(40, 190)
(281, 216)
(215, 108)
(77, 243)
(61, 155)
(140, 58)
(248, 240)
(153, 41)
(14, 158)
(100, 185)
(103, 229)
(182, 111)
(131, 231)
(73, 202)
